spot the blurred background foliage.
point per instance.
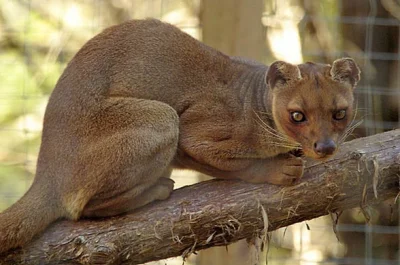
(39, 37)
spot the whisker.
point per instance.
(286, 146)
(283, 144)
(282, 140)
(271, 133)
(278, 139)
(353, 124)
(350, 127)
(349, 130)
(270, 129)
(264, 113)
(277, 133)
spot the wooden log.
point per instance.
(217, 212)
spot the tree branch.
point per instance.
(217, 212)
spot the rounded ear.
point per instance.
(280, 73)
(345, 70)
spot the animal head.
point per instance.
(312, 104)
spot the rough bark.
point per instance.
(215, 213)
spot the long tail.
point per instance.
(27, 217)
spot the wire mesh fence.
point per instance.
(38, 38)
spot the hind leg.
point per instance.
(125, 163)
(127, 201)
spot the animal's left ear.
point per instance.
(345, 70)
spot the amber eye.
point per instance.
(339, 115)
(297, 116)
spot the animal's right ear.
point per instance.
(281, 73)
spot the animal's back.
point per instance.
(140, 58)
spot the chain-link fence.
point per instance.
(38, 38)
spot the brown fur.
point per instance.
(143, 98)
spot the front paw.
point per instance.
(287, 170)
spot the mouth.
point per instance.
(323, 158)
(319, 157)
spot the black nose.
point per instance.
(324, 148)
